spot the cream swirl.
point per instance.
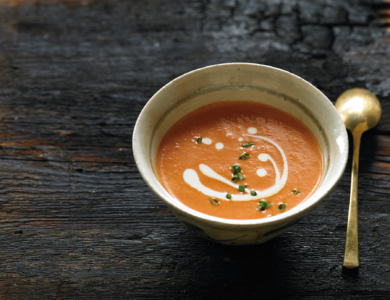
(191, 177)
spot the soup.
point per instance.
(239, 160)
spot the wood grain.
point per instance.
(78, 222)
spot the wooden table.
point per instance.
(77, 220)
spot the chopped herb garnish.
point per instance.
(263, 205)
(253, 193)
(199, 140)
(236, 169)
(282, 206)
(241, 188)
(244, 156)
(296, 191)
(245, 185)
(241, 176)
(228, 196)
(214, 201)
(248, 145)
(234, 178)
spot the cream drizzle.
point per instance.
(252, 130)
(261, 172)
(206, 141)
(219, 146)
(191, 177)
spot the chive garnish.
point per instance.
(214, 201)
(241, 188)
(244, 156)
(282, 206)
(236, 168)
(253, 193)
(241, 176)
(199, 140)
(263, 205)
(234, 178)
(228, 196)
(246, 145)
(296, 191)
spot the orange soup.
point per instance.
(239, 160)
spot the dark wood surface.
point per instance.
(76, 219)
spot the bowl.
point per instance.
(232, 82)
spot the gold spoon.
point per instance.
(361, 111)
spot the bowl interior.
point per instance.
(234, 82)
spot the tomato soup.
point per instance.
(239, 160)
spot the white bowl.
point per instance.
(230, 82)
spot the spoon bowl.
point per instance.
(360, 110)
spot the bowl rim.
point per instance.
(298, 211)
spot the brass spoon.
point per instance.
(361, 111)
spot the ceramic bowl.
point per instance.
(231, 82)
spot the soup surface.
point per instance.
(239, 160)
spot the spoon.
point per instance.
(361, 111)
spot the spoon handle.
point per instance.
(351, 253)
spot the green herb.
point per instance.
(248, 145)
(214, 201)
(234, 178)
(263, 205)
(241, 188)
(229, 196)
(244, 156)
(241, 176)
(253, 193)
(282, 206)
(296, 191)
(236, 168)
(199, 140)
(245, 185)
